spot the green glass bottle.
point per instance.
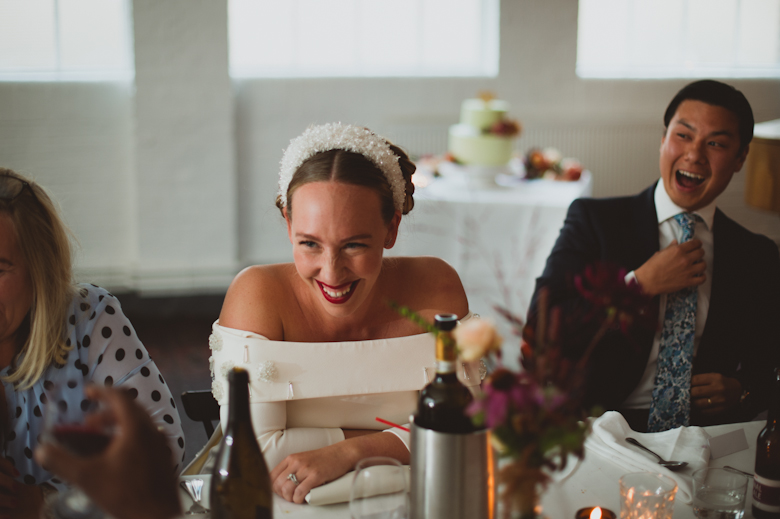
(766, 482)
(443, 402)
(240, 483)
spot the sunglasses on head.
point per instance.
(12, 187)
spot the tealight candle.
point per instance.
(594, 512)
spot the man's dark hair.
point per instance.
(717, 94)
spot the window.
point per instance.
(65, 40)
(318, 38)
(678, 38)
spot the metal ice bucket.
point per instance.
(453, 475)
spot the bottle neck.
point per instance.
(445, 367)
(773, 414)
(446, 353)
(238, 402)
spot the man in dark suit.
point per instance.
(725, 279)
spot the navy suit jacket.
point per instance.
(741, 338)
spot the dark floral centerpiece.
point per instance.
(536, 414)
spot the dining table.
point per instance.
(592, 481)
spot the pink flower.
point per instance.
(476, 338)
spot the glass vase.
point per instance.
(520, 492)
(525, 501)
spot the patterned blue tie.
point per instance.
(671, 404)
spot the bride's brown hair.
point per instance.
(352, 168)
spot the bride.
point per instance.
(326, 353)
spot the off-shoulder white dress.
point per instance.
(302, 394)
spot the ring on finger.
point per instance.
(709, 401)
(291, 477)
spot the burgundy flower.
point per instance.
(506, 128)
(624, 304)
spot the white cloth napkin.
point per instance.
(681, 444)
(337, 491)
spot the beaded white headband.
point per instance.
(337, 136)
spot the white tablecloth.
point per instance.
(497, 239)
(594, 482)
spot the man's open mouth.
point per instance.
(340, 294)
(688, 180)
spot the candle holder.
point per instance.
(646, 495)
(585, 513)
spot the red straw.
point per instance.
(386, 422)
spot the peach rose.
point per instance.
(476, 338)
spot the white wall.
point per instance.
(184, 158)
(76, 140)
(169, 182)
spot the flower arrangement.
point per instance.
(550, 164)
(505, 127)
(536, 414)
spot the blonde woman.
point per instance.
(55, 338)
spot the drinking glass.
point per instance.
(719, 493)
(647, 495)
(379, 490)
(81, 428)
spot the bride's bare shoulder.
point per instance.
(255, 299)
(430, 284)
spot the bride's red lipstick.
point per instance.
(341, 299)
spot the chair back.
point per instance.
(200, 406)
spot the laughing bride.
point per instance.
(326, 353)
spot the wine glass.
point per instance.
(76, 423)
(80, 427)
(379, 490)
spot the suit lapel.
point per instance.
(719, 291)
(646, 244)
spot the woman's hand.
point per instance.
(133, 478)
(712, 393)
(312, 469)
(30, 502)
(10, 489)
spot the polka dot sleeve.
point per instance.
(119, 359)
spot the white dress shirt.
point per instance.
(668, 231)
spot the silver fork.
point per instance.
(194, 489)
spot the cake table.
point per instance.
(497, 238)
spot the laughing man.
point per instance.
(715, 284)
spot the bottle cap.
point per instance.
(238, 375)
(446, 322)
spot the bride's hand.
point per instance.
(311, 469)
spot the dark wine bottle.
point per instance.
(766, 482)
(240, 483)
(442, 404)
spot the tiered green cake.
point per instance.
(473, 141)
